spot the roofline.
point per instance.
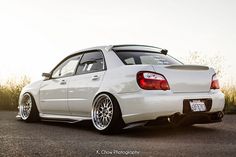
(125, 46)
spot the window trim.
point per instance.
(72, 55)
(91, 51)
(62, 62)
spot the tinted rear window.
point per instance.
(145, 57)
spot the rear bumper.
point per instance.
(149, 105)
(189, 119)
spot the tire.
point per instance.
(28, 109)
(106, 114)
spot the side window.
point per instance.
(91, 62)
(130, 61)
(67, 68)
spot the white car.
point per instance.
(119, 85)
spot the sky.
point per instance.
(36, 35)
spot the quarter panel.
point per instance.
(122, 79)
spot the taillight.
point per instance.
(152, 81)
(215, 82)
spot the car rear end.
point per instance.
(167, 89)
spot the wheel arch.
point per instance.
(33, 114)
(105, 92)
(34, 98)
(117, 122)
(30, 95)
(112, 96)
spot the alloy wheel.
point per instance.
(102, 112)
(26, 106)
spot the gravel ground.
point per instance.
(18, 138)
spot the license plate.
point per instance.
(197, 105)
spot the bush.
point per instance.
(10, 91)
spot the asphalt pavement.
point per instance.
(18, 138)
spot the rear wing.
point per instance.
(139, 48)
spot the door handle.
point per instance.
(95, 77)
(63, 82)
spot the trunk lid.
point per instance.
(187, 78)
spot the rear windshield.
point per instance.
(145, 57)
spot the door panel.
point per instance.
(81, 91)
(83, 87)
(53, 96)
(53, 92)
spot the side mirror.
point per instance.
(46, 75)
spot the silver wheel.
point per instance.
(102, 112)
(25, 106)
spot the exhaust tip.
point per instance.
(173, 119)
(169, 119)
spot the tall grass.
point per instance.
(10, 91)
(230, 99)
(217, 63)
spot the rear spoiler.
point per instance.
(139, 47)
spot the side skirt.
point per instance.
(62, 118)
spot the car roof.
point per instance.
(121, 47)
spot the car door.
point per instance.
(53, 92)
(84, 85)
